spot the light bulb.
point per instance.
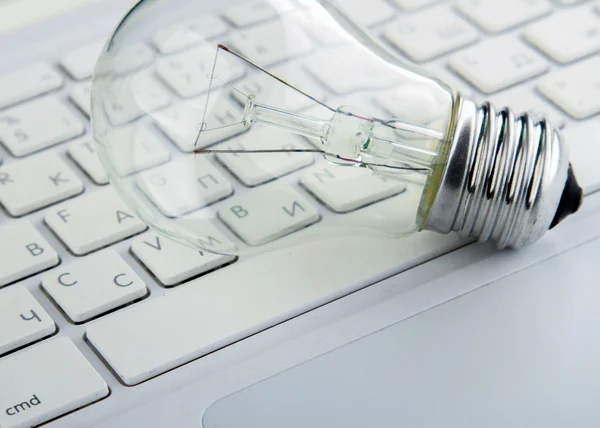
(253, 126)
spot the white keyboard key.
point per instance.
(414, 104)
(348, 189)
(175, 39)
(133, 97)
(93, 221)
(371, 76)
(138, 149)
(93, 285)
(583, 142)
(172, 263)
(413, 4)
(80, 62)
(208, 26)
(36, 125)
(188, 73)
(430, 33)
(131, 57)
(268, 213)
(575, 89)
(28, 82)
(271, 43)
(567, 36)
(46, 381)
(368, 13)
(496, 64)
(24, 252)
(525, 100)
(253, 12)
(184, 185)
(36, 182)
(494, 16)
(247, 297)
(188, 34)
(256, 168)
(84, 154)
(180, 122)
(272, 93)
(22, 318)
(80, 94)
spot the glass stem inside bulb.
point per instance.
(349, 139)
(292, 122)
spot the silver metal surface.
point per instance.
(504, 177)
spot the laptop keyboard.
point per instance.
(76, 262)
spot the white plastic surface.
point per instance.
(22, 318)
(46, 381)
(23, 252)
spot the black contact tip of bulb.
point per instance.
(571, 199)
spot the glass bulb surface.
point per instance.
(265, 136)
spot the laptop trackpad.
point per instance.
(521, 352)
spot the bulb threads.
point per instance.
(503, 179)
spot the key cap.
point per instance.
(371, 76)
(80, 95)
(93, 221)
(253, 12)
(189, 73)
(258, 168)
(494, 16)
(36, 182)
(270, 92)
(413, 4)
(578, 35)
(93, 285)
(22, 318)
(46, 381)
(348, 189)
(310, 19)
(80, 62)
(525, 100)
(247, 297)
(415, 104)
(182, 121)
(23, 252)
(84, 154)
(172, 263)
(135, 96)
(575, 89)
(137, 149)
(188, 34)
(268, 213)
(36, 125)
(497, 64)
(369, 13)
(583, 142)
(185, 185)
(430, 33)
(271, 43)
(28, 82)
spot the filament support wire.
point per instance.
(504, 178)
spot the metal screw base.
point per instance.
(504, 177)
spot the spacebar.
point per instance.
(164, 332)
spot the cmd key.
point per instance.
(46, 381)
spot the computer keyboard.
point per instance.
(79, 271)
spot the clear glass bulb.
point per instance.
(286, 125)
